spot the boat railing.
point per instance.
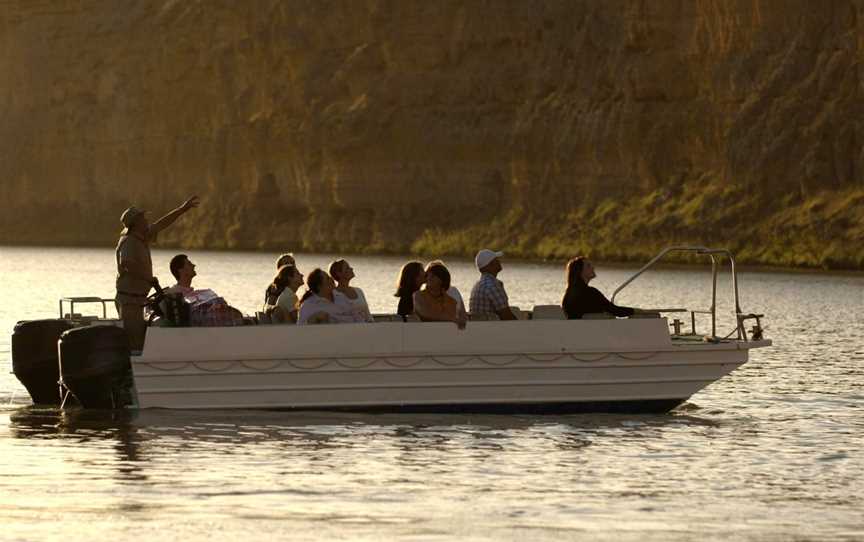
(713, 254)
(71, 301)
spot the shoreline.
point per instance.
(619, 264)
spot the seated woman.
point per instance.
(411, 278)
(581, 299)
(344, 293)
(318, 305)
(280, 298)
(452, 291)
(432, 304)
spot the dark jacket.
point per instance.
(583, 299)
(406, 306)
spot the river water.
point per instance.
(771, 452)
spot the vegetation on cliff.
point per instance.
(544, 128)
(635, 230)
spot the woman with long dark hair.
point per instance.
(411, 278)
(581, 299)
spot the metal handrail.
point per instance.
(712, 253)
(83, 300)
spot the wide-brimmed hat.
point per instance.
(129, 216)
(485, 257)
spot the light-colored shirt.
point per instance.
(455, 294)
(180, 289)
(488, 296)
(358, 306)
(134, 269)
(337, 313)
(287, 300)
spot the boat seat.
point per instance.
(597, 316)
(478, 317)
(394, 318)
(548, 312)
(387, 318)
(263, 318)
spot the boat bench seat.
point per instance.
(390, 318)
(548, 312)
(262, 318)
(386, 318)
(480, 317)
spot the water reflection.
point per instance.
(131, 430)
(106, 427)
(769, 453)
(319, 469)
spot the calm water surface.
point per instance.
(772, 452)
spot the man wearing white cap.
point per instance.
(135, 268)
(488, 296)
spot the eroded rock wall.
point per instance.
(546, 128)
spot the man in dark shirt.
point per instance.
(581, 299)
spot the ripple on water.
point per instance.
(770, 453)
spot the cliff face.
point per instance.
(545, 128)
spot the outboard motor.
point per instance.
(34, 358)
(95, 366)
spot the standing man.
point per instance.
(135, 268)
(488, 296)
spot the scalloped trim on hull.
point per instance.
(520, 366)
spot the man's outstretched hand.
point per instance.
(169, 219)
(190, 203)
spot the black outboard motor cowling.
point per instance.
(34, 358)
(95, 366)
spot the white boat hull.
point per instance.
(491, 366)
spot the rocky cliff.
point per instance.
(544, 128)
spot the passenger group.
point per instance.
(425, 293)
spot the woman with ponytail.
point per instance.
(342, 273)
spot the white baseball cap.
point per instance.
(485, 256)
